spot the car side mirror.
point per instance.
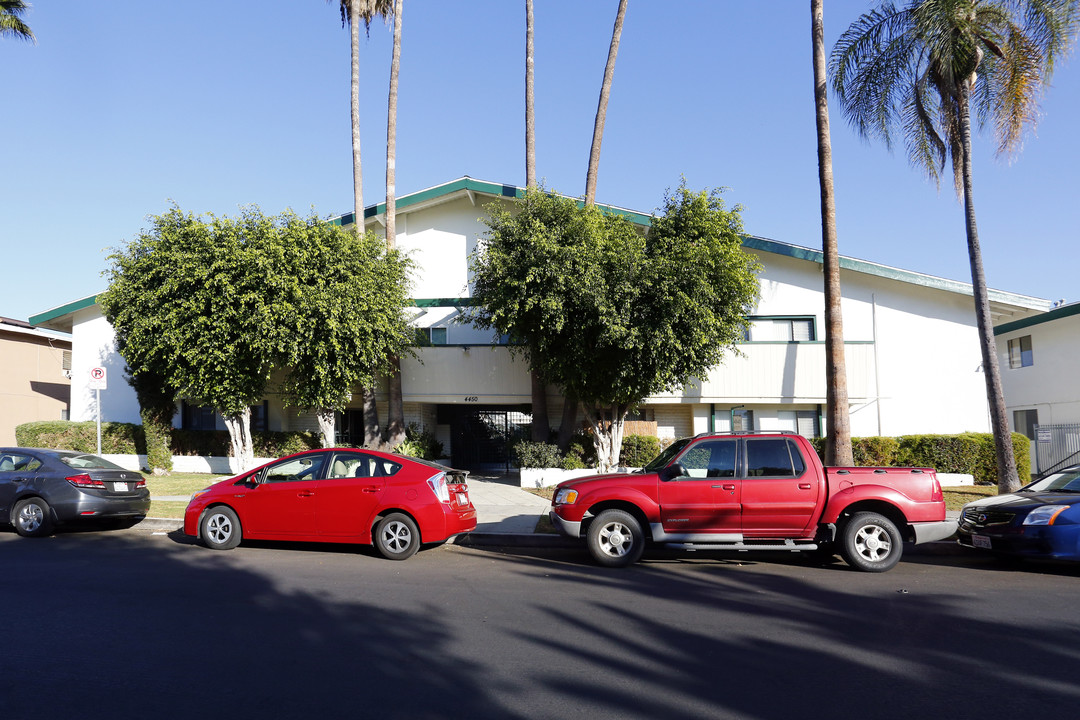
(672, 471)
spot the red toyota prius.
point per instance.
(393, 502)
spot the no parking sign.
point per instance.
(98, 378)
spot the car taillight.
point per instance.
(141, 483)
(437, 483)
(85, 481)
(935, 491)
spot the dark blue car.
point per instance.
(40, 489)
(1040, 520)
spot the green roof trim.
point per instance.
(1049, 316)
(71, 307)
(469, 184)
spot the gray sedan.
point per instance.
(41, 489)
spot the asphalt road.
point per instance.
(130, 625)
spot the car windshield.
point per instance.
(87, 462)
(1067, 481)
(665, 457)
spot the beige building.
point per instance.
(35, 376)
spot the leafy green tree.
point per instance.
(198, 303)
(347, 295)
(921, 69)
(157, 406)
(11, 22)
(838, 450)
(608, 313)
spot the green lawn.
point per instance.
(176, 484)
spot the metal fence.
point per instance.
(1056, 446)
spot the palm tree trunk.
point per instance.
(601, 110)
(530, 116)
(838, 450)
(541, 426)
(1008, 480)
(358, 177)
(395, 419)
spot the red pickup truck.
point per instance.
(753, 491)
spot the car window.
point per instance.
(1064, 481)
(305, 467)
(15, 462)
(773, 457)
(710, 458)
(81, 461)
(355, 464)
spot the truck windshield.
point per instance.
(665, 457)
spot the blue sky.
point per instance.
(124, 107)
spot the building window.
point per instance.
(780, 330)
(1020, 354)
(742, 420)
(197, 417)
(1024, 422)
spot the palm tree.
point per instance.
(919, 69)
(352, 12)
(601, 109)
(540, 423)
(838, 443)
(395, 417)
(11, 22)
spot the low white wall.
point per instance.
(955, 479)
(211, 464)
(547, 477)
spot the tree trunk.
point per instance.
(395, 417)
(372, 432)
(530, 116)
(325, 418)
(358, 177)
(838, 441)
(607, 435)
(1008, 480)
(569, 421)
(601, 109)
(239, 426)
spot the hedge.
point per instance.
(130, 439)
(967, 453)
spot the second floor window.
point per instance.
(1020, 354)
(780, 330)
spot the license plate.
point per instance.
(981, 541)
(120, 487)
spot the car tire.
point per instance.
(397, 537)
(615, 538)
(220, 528)
(32, 517)
(871, 542)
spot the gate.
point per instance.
(480, 437)
(1056, 446)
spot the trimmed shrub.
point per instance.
(637, 450)
(529, 454)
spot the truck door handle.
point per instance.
(804, 486)
(728, 486)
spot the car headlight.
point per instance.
(197, 493)
(1044, 515)
(566, 496)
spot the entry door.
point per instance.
(708, 498)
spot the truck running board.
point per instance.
(779, 546)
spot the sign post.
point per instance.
(98, 382)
